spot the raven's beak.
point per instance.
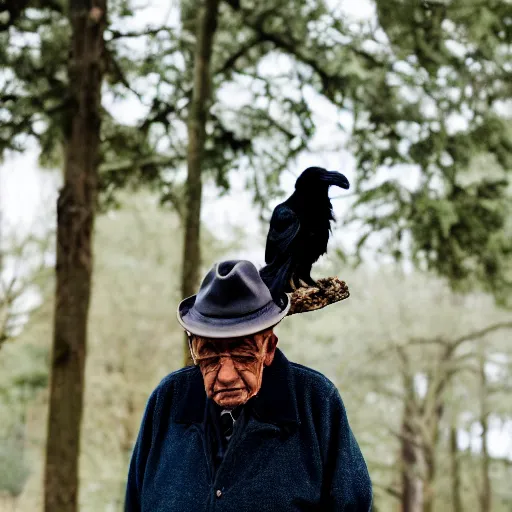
(337, 179)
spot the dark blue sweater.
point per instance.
(295, 452)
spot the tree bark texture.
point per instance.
(486, 491)
(455, 470)
(430, 466)
(75, 221)
(412, 482)
(432, 420)
(329, 291)
(198, 114)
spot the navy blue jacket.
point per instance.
(296, 451)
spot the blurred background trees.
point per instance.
(412, 100)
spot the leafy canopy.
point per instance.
(426, 86)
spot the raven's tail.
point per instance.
(277, 278)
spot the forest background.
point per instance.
(177, 127)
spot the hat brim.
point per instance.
(212, 327)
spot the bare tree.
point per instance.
(423, 413)
(21, 263)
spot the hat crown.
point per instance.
(231, 289)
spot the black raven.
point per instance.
(299, 231)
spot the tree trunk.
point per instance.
(486, 477)
(430, 449)
(455, 467)
(412, 484)
(207, 24)
(75, 221)
(4, 299)
(486, 493)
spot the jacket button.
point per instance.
(218, 493)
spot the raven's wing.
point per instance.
(284, 226)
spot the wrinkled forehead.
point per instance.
(251, 343)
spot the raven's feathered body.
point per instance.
(299, 231)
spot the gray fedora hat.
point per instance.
(232, 301)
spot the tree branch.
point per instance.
(453, 344)
(329, 291)
(126, 165)
(116, 34)
(480, 333)
(231, 61)
(291, 47)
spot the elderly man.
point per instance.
(244, 429)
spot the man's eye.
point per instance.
(209, 362)
(206, 349)
(244, 359)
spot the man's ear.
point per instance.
(271, 349)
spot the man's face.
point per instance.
(233, 368)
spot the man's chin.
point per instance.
(231, 399)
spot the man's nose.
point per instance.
(227, 373)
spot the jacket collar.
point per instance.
(275, 403)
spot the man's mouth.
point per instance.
(228, 390)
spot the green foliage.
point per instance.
(447, 74)
(14, 470)
(23, 373)
(427, 85)
(260, 136)
(33, 91)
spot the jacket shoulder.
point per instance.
(312, 379)
(175, 380)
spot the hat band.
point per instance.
(195, 315)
